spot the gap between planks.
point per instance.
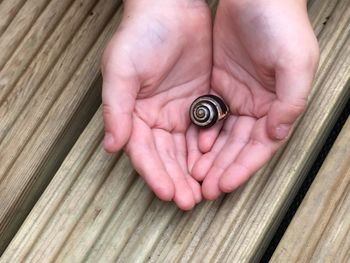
(238, 225)
(38, 131)
(320, 229)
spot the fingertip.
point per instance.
(281, 117)
(117, 112)
(164, 190)
(109, 143)
(184, 203)
(196, 189)
(209, 195)
(192, 159)
(116, 135)
(276, 131)
(272, 131)
(210, 187)
(204, 145)
(233, 178)
(281, 132)
(187, 207)
(198, 171)
(184, 196)
(207, 137)
(226, 185)
(198, 196)
(192, 147)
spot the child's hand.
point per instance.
(265, 58)
(157, 63)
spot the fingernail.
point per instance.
(108, 140)
(282, 131)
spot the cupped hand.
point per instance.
(157, 63)
(265, 58)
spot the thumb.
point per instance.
(281, 118)
(292, 90)
(118, 97)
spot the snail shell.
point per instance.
(207, 110)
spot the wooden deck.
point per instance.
(320, 230)
(63, 199)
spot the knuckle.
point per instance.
(293, 108)
(218, 166)
(107, 110)
(298, 107)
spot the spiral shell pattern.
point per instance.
(207, 110)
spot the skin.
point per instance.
(264, 55)
(265, 58)
(156, 64)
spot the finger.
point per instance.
(144, 156)
(202, 166)
(181, 152)
(238, 138)
(292, 89)
(118, 96)
(196, 189)
(192, 147)
(251, 158)
(166, 148)
(207, 137)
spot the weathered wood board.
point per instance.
(319, 232)
(96, 209)
(48, 92)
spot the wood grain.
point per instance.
(33, 59)
(19, 26)
(9, 9)
(97, 209)
(51, 93)
(319, 232)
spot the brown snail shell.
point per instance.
(207, 110)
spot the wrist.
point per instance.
(183, 3)
(269, 2)
(184, 11)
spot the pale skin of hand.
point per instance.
(156, 64)
(265, 58)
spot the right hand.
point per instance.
(156, 64)
(265, 58)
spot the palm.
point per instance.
(256, 53)
(161, 63)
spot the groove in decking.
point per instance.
(29, 143)
(20, 26)
(84, 215)
(320, 229)
(23, 82)
(139, 227)
(9, 10)
(58, 24)
(55, 85)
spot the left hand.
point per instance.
(156, 64)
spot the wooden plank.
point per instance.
(23, 73)
(321, 12)
(84, 218)
(319, 232)
(329, 95)
(9, 9)
(19, 26)
(45, 128)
